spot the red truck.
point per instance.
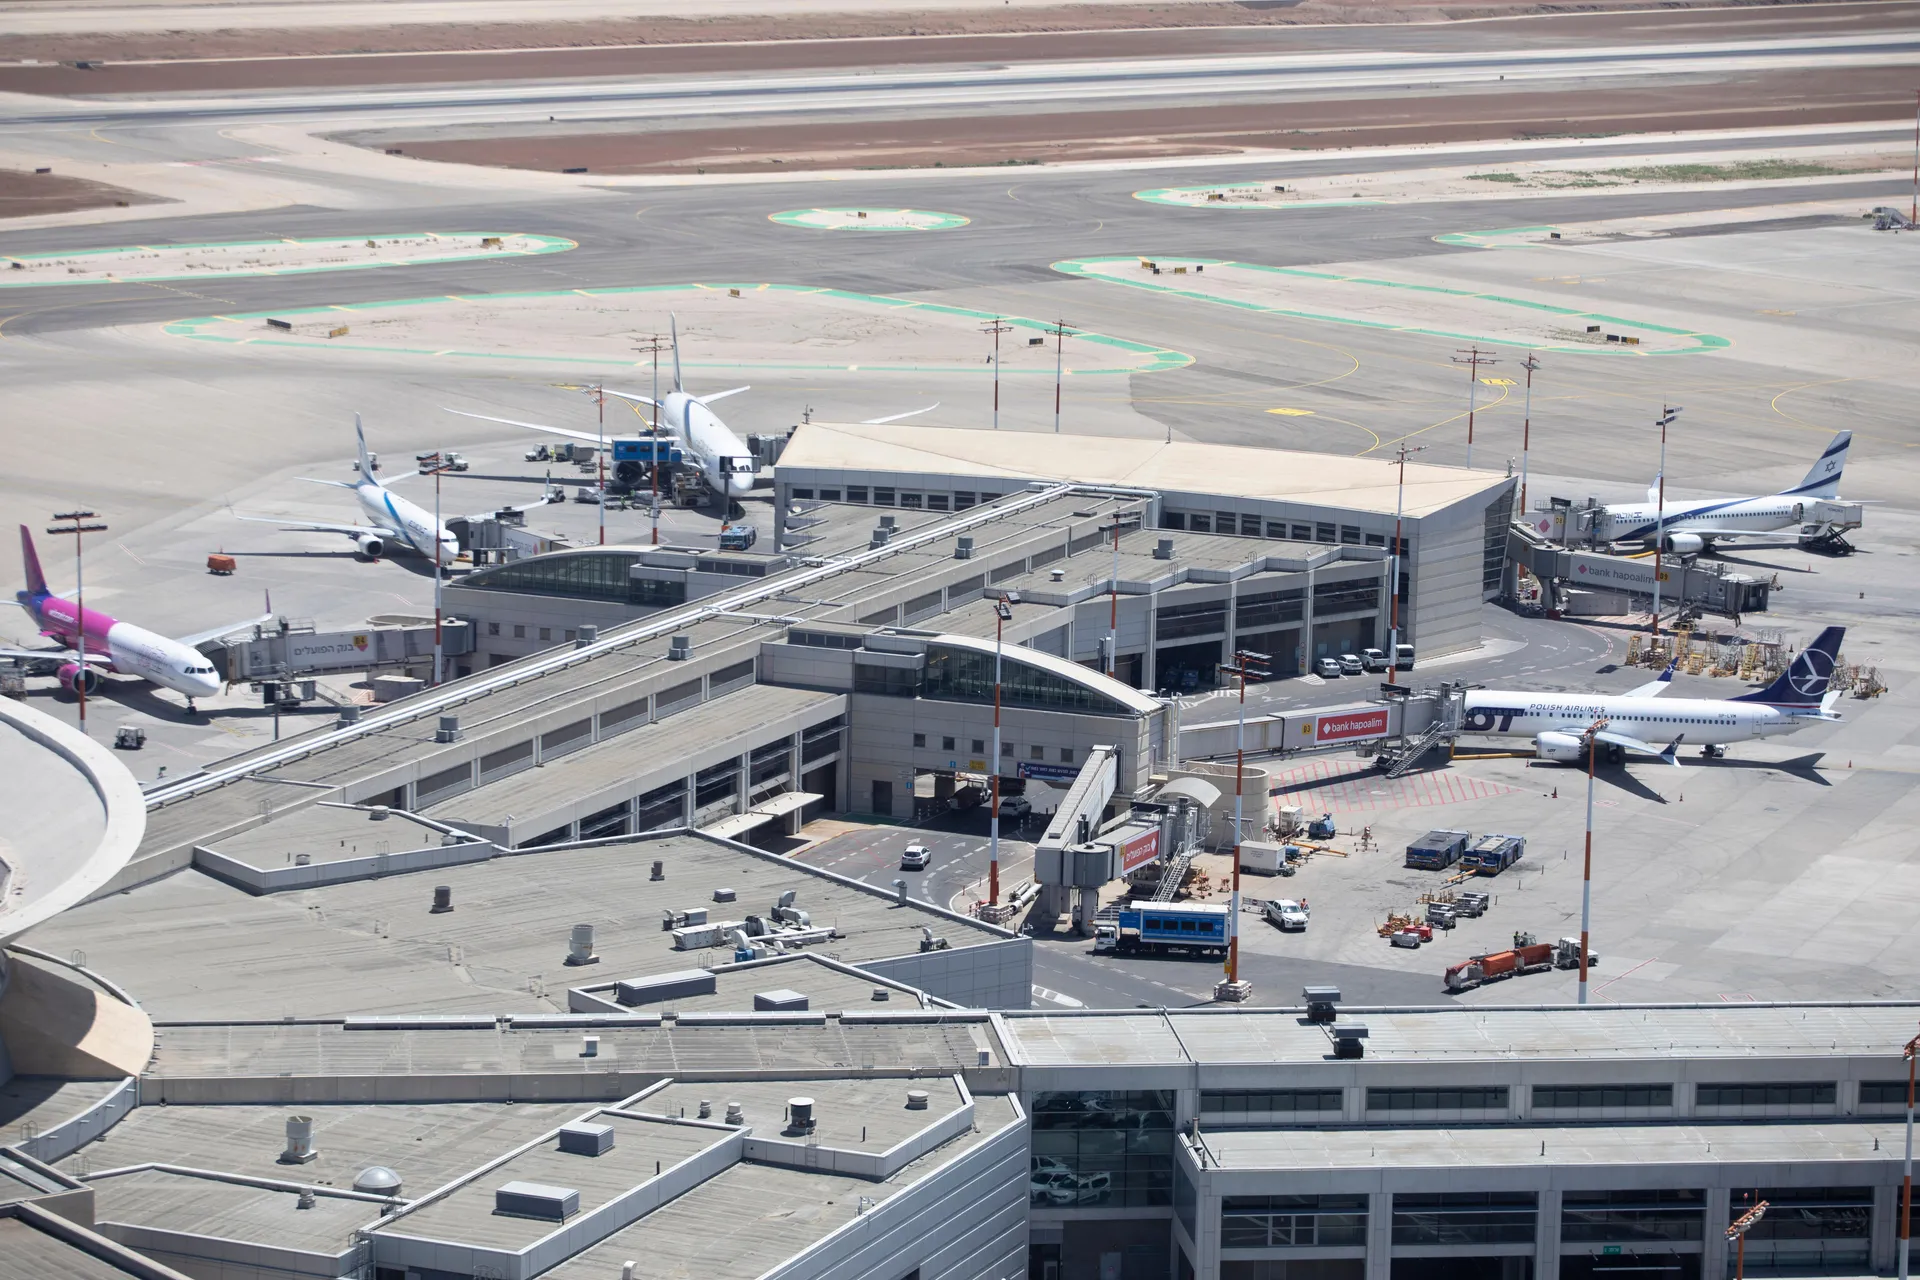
(1526, 956)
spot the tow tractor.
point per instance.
(1526, 956)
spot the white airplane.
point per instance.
(1559, 722)
(394, 522)
(1690, 527)
(120, 647)
(721, 457)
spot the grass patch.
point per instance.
(1496, 177)
(1738, 171)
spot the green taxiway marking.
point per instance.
(220, 328)
(1488, 239)
(1183, 198)
(540, 245)
(830, 219)
(1091, 268)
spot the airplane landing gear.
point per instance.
(1712, 751)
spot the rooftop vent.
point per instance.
(659, 871)
(1164, 549)
(963, 549)
(680, 648)
(449, 730)
(886, 522)
(881, 536)
(377, 1180)
(1057, 575)
(786, 898)
(1321, 1002)
(881, 995)
(900, 892)
(306, 1199)
(589, 1046)
(724, 895)
(442, 900)
(349, 714)
(378, 813)
(736, 1114)
(582, 1138)
(587, 634)
(800, 1115)
(1348, 1040)
(580, 946)
(706, 1108)
(300, 1148)
(536, 1200)
(916, 1099)
(783, 1000)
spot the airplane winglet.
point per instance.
(1672, 753)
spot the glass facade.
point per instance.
(1465, 1217)
(1493, 555)
(1345, 597)
(966, 675)
(1489, 1098)
(1605, 1217)
(1806, 1228)
(1260, 610)
(1764, 1095)
(1177, 621)
(578, 575)
(1298, 1222)
(1883, 1093)
(1102, 1149)
(1590, 1097)
(1225, 1106)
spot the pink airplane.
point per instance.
(119, 647)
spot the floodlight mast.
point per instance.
(997, 328)
(1738, 1232)
(1668, 416)
(75, 524)
(1592, 739)
(1245, 663)
(1002, 614)
(1474, 360)
(1393, 587)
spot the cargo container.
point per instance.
(1491, 854)
(1437, 849)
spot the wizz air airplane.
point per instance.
(393, 522)
(120, 647)
(1558, 722)
(1690, 527)
(721, 457)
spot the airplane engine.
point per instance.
(629, 473)
(1683, 544)
(1565, 748)
(370, 546)
(74, 678)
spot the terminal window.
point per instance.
(1223, 522)
(1471, 1098)
(1807, 1228)
(519, 631)
(1039, 753)
(908, 500)
(919, 739)
(1299, 1222)
(936, 502)
(1302, 533)
(1173, 520)
(1764, 1095)
(1227, 1105)
(1596, 1217)
(856, 493)
(1589, 1097)
(803, 494)
(979, 746)
(962, 499)
(1102, 1149)
(1006, 751)
(493, 628)
(1323, 533)
(1066, 755)
(1250, 526)
(1880, 1093)
(1349, 534)
(1199, 523)
(1376, 539)
(829, 495)
(1277, 529)
(946, 744)
(1465, 1217)
(882, 497)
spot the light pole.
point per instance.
(1526, 429)
(1738, 1231)
(1393, 587)
(1245, 663)
(439, 468)
(1002, 614)
(1667, 418)
(1060, 332)
(1473, 360)
(1592, 740)
(1911, 1053)
(76, 525)
(997, 328)
(655, 346)
(1113, 598)
(600, 454)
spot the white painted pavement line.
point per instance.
(1057, 998)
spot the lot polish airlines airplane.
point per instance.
(722, 457)
(1690, 527)
(120, 647)
(1558, 722)
(393, 521)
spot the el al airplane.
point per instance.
(1558, 722)
(120, 647)
(392, 520)
(1690, 527)
(722, 458)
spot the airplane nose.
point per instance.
(206, 686)
(739, 486)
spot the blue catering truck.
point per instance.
(1197, 928)
(633, 457)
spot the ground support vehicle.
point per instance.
(1526, 956)
(1192, 928)
(1437, 850)
(1491, 854)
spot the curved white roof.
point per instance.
(1128, 696)
(74, 816)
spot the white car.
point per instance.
(1350, 665)
(915, 857)
(1374, 659)
(1289, 915)
(1327, 668)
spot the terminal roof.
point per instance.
(1310, 479)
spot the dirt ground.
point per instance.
(534, 49)
(1825, 97)
(23, 193)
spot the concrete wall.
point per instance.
(997, 975)
(1446, 592)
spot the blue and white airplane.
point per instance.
(1687, 528)
(392, 521)
(1558, 723)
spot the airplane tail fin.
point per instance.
(36, 580)
(1653, 490)
(1823, 478)
(1804, 683)
(673, 328)
(366, 460)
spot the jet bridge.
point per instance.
(1592, 582)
